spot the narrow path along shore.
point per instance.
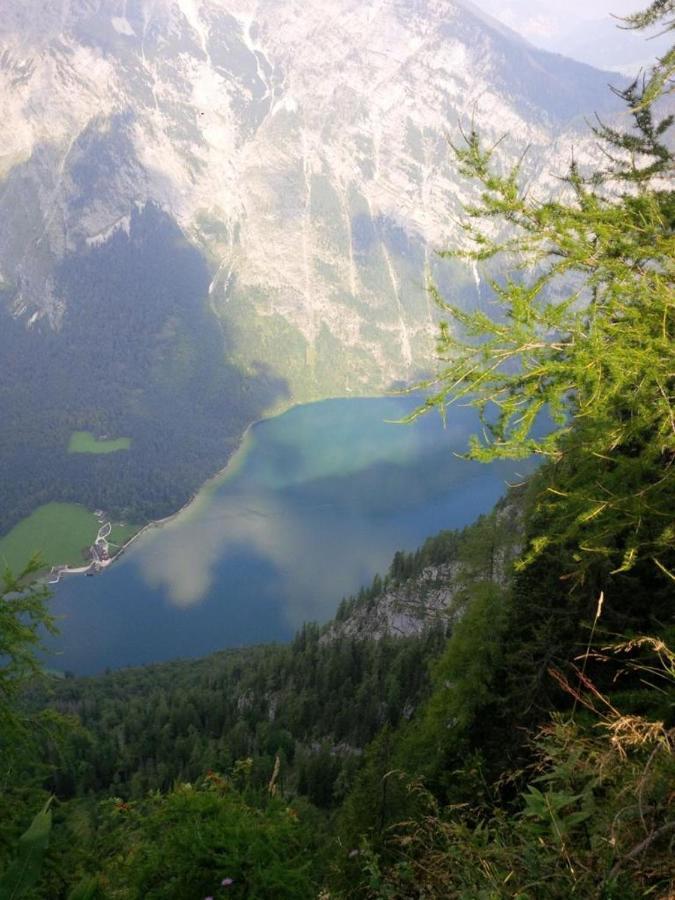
(100, 562)
(100, 558)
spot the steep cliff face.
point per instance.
(411, 607)
(211, 208)
(431, 588)
(300, 145)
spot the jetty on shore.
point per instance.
(99, 557)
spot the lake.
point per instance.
(314, 503)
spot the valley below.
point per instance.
(336, 368)
(313, 504)
(214, 211)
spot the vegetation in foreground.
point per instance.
(537, 760)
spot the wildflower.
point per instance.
(226, 882)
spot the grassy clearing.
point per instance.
(120, 534)
(58, 532)
(85, 442)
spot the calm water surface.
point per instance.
(313, 505)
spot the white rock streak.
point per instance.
(356, 100)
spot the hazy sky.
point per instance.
(580, 9)
(544, 19)
(585, 9)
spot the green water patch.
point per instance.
(86, 442)
(59, 532)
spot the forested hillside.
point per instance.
(316, 702)
(329, 762)
(300, 714)
(138, 355)
(521, 745)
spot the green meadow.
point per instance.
(119, 535)
(57, 531)
(85, 442)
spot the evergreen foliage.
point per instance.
(315, 704)
(537, 752)
(206, 840)
(24, 872)
(585, 331)
(535, 758)
(23, 610)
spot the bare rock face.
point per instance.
(406, 609)
(437, 596)
(301, 146)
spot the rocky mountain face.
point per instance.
(275, 174)
(301, 146)
(404, 609)
(431, 589)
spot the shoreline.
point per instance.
(221, 474)
(98, 567)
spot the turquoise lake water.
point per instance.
(315, 502)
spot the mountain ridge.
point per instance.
(300, 151)
(264, 144)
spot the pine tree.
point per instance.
(583, 333)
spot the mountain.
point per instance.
(594, 34)
(602, 43)
(212, 209)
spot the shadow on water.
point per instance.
(325, 495)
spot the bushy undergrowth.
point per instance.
(594, 820)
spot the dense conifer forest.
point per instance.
(183, 406)
(522, 749)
